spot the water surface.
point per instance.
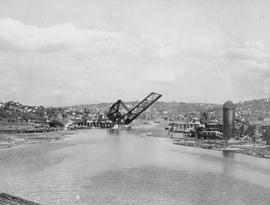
(102, 167)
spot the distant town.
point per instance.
(16, 117)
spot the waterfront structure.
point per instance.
(183, 127)
(213, 125)
(228, 120)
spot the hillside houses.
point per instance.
(255, 111)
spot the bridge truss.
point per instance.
(120, 114)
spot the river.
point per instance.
(105, 167)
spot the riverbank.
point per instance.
(157, 129)
(13, 137)
(12, 140)
(145, 129)
(254, 149)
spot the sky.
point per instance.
(66, 52)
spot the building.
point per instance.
(183, 127)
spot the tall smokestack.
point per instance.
(228, 120)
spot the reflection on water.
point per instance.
(228, 153)
(113, 131)
(116, 167)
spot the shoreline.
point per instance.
(15, 140)
(261, 151)
(153, 129)
(144, 129)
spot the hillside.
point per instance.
(249, 110)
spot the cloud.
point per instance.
(63, 60)
(161, 75)
(247, 51)
(29, 37)
(17, 35)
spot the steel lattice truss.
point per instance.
(120, 114)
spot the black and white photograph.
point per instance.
(134, 102)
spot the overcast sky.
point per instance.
(64, 52)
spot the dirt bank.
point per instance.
(11, 140)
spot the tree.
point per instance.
(204, 117)
(250, 131)
(266, 136)
(55, 123)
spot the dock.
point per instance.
(7, 199)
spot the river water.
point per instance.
(105, 167)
